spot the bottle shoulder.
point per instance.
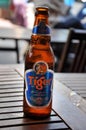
(40, 53)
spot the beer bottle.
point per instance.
(39, 64)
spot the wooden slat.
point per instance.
(76, 86)
(11, 110)
(11, 104)
(8, 73)
(23, 121)
(7, 116)
(74, 82)
(68, 76)
(14, 94)
(41, 126)
(13, 99)
(11, 78)
(11, 90)
(12, 86)
(6, 69)
(10, 83)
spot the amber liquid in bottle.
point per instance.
(39, 64)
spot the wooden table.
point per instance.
(58, 37)
(65, 114)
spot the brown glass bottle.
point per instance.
(39, 64)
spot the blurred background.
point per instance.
(19, 14)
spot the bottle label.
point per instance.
(38, 80)
(41, 28)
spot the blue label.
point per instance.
(38, 86)
(42, 28)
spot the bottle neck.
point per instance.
(41, 18)
(41, 25)
(41, 29)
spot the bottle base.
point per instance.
(37, 117)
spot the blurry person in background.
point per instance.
(18, 8)
(78, 21)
